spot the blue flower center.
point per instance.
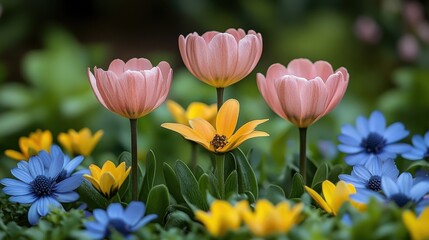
(119, 225)
(42, 186)
(400, 199)
(374, 183)
(374, 143)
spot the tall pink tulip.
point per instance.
(302, 93)
(221, 59)
(132, 90)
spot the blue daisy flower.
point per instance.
(420, 149)
(372, 138)
(369, 176)
(38, 183)
(403, 191)
(124, 221)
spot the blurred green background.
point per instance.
(46, 47)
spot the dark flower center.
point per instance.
(400, 199)
(119, 225)
(219, 141)
(42, 186)
(374, 143)
(374, 183)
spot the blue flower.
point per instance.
(372, 138)
(40, 184)
(420, 149)
(124, 221)
(404, 191)
(369, 176)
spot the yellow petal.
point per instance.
(212, 225)
(107, 184)
(94, 182)
(196, 110)
(328, 189)
(412, 224)
(204, 128)
(66, 142)
(177, 111)
(108, 166)
(236, 142)
(46, 141)
(341, 195)
(186, 132)
(322, 203)
(15, 155)
(95, 171)
(227, 118)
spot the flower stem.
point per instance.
(220, 174)
(193, 162)
(303, 154)
(219, 92)
(134, 164)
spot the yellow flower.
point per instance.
(335, 196)
(268, 219)
(31, 145)
(194, 110)
(417, 226)
(222, 139)
(109, 178)
(80, 143)
(222, 218)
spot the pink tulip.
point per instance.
(304, 91)
(131, 89)
(221, 59)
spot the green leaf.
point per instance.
(189, 186)
(231, 184)
(297, 186)
(149, 177)
(246, 176)
(91, 196)
(275, 194)
(334, 172)
(172, 183)
(158, 202)
(417, 164)
(125, 190)
(207, 183)
(320, 175)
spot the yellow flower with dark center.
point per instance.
(334, 196)
(268, 219)
(222, 218)
(80, 143)
(31, 145)
(109, 178)
(417, 226)
(194, 110)
(221, 139)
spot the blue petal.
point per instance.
(348, 140)
(397, 148)
(356, 159)
(388, 186)
(362, 126)
(24, 199)
(36, 166)
(358, 183)
(389, 169)
(413, 155)
(377, 122)
(383, 156)
(364, 195)
(22, 175)
(405, 183)
(72, 165)
(56, 168)
(45, 158)
(351, 131)
(144, 221)
(95, 230)
(42, 205)
(15, 187)
(419, 142)
(427, 138)
(349, 149)
(69, 184)
(115, 210)
(23, 165)
(361, 172)
(33, 216)
(373, 165)
(419, 190)
(395, 132)
(134, 212)
(66, 197)
(101, 216)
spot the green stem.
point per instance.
(193, 162)
(302, 153)
(134, 164)
(219, 94)
(220, 174)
